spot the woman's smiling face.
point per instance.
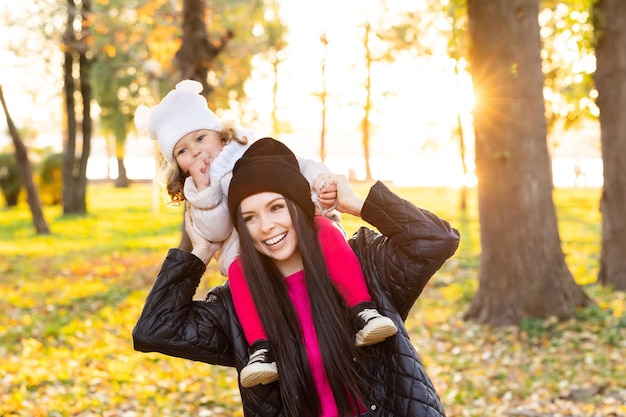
(268, 221)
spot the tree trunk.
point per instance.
(610, 78)
(459, 127)
(75, 170)
(194, 58)
(275, 123)
(122, 178)
(26, 172)
(196, 53)
(367, 108)
(85, 93)
(118, 149)
(69, 157)
(523, 271)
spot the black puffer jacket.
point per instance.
(398, 262)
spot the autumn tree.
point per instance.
(323, 95)
(610, 78)
(26, 173)
(122, 64)
(523, 271)
(370, 58)
(436, 20)
(566, 48)
(115, 117)
(76, 83)
(567, 57)
(203, 45)
(217, 45)
(45, 19)
(197, 52)
(38, 49)
(182, 41)
(383, 39)
(273, 34)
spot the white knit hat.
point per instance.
(183, 110)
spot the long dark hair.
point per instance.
(280, 321)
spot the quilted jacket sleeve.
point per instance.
(174, 324)
(412, 245)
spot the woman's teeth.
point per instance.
(275, 239)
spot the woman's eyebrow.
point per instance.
(269, 203)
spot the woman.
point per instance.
(322, 373)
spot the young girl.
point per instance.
(201, 153)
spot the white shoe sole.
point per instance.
(375, 331)
(258, 373)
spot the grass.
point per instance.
(70, 300)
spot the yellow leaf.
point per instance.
(618, 308)
(110, 51)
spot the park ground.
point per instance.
(70, 300)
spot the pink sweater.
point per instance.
(296, 287)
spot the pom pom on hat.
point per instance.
(183, 110)
(189, 86)
(269, 166)
(142, 117)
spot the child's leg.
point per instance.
(343, 265)
(244, 305)
(345, 271)
(261, 367)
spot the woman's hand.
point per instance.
(202, 248)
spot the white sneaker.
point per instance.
(374, 327)
(261, 367)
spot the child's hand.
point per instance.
(325, 192)
(200, 173)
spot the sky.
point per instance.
(414, 99)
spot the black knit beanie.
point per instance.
(268, 166)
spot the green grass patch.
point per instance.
(71, 299)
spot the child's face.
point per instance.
(200, 144)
